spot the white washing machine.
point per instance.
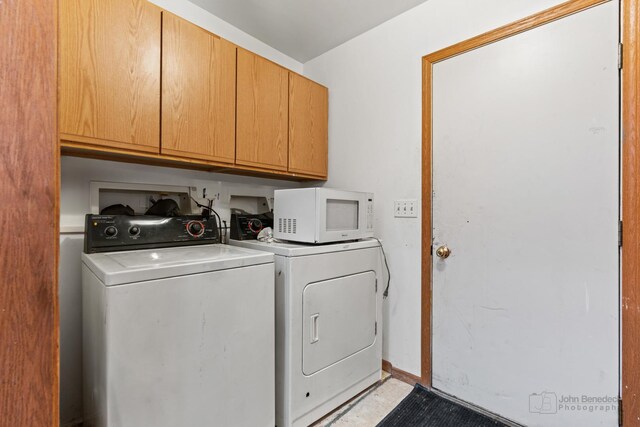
(176, 336)
(328, 325)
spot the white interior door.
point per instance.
(525, 195)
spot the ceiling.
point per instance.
(305, 29)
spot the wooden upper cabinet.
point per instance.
(262, 113)
(138, 81)
(198, 92)
(308, 126)
(109, 73)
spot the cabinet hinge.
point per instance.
(620, 412)
(620, 56)
(620, 234)
(431, 249)
(375, 327)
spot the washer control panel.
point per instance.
(108, 233)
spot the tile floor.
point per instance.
(368, 409)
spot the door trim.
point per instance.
(546, 16)
(630, 307)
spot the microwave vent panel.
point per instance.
(287, 225)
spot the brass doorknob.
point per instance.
(443, 252)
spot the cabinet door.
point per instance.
(109, 73)
(198, 92)
(308, 126)
(262, 119)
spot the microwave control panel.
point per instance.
(369, 212)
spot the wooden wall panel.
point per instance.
(631, 214)
(29, 219)
(308, 126)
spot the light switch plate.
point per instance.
(405, 208)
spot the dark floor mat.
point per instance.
(423, 408)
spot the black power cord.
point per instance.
(385, 294)
(206, 212)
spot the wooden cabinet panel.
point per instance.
(29, 317)
(308, 126)
(198, 92)
(262, 113)
(109, 73)
(141, 84)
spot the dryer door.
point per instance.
(339, 319)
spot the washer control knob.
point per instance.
(110, 231)
(255, 225)
(195, 228)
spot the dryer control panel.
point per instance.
(109, 233)
(248, 226)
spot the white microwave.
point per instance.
(322, 215)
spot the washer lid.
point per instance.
(116, 268)
(289, 249)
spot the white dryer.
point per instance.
(328, 325)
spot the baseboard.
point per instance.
(399, 374)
